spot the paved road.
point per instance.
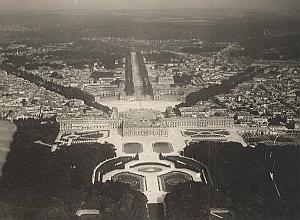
(136, 75)
(177, 53)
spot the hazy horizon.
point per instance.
(270, 5)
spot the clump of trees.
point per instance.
(183, 79)
(206, 48)
(242, 181)
(148, 90)
(188, 201)
(30, 130)
(163, 57)
(129, 86)
(39, 184)
(279, 47)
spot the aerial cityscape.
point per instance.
(112, 111)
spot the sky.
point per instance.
(275, 5)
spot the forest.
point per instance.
(40, 184)
(242, 182)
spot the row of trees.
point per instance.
(66, 91)
(163, 57)
(213, 90)
(207, 48)
(241, 182)
(148, 90)
(39, 184)
(129, 86)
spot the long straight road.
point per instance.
(136, 76)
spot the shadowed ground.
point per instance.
(7, 130)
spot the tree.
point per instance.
(39, 184)
(188, 201)
(242, 175)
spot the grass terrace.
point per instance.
(135, 181)
(162, 147)
(113, 164)
(133, 148)
(170, 180)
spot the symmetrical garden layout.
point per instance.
(148, 152)
(155, 177)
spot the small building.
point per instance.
(89, 212)
(165, 80)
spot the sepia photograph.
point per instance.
(149, 109)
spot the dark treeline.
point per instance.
(77, 25)
(280, 47)
(68, 92)
(78, 55)
(209, 48)
(188, 201)
(213, 90)
(163, 57)
(242, 181)
(148, 90)
(183, 79)
(38, 184)
(129, 86)
(102, 52)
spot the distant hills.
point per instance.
(257, 30)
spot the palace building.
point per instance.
(192, 122)
(144, 131)
(86, 123)
(130, 128)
